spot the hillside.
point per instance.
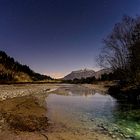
(79, 74)
(11, 70)
(86, 73)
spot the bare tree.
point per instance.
(134, 54)
(116, 51)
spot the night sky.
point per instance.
(54, 37)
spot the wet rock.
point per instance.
(118, 139)
(92, 120)
(113, 136)
(126, 136)
(110, 133)
(129, 130)
(121, 135)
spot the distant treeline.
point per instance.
(90, 80)
(11, 70)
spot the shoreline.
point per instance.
(23, 111)
(100, 86)
(23, 114)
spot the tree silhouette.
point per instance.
(121, 51)
(13, 68)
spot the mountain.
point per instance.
(11, 70)
(85, 73)
(79, 74)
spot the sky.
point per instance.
(55, 37)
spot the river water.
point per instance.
(85, 110)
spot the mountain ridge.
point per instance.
(86, 73)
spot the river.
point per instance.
(84, 113)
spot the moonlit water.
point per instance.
(85, 109)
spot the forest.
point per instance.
(11, 70)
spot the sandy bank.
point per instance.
(23, 114)
(22, 111)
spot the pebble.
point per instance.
(113, 136)
(11, 91)
(110, 133)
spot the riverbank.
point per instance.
(100, 86)
(19, 90)
(23, 114)
(23, 111)
(129, 93)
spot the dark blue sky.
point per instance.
(57, 36)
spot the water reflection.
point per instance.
(78, 90)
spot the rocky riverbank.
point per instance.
(23, 111)
(18, 90)
(100, 86)
(24, 114)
